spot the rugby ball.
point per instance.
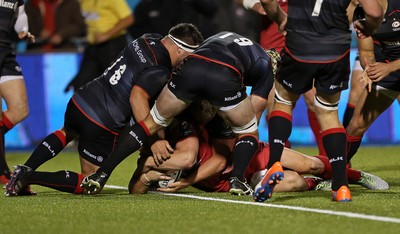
(175, 175)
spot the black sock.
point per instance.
(334, 141)
(128, 142)
(353, 143)
(64, 181)
(244, 150)
(279, 130)
(48, 149)
(348, 114)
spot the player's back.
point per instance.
(318, 30)
(232, 49)
(106, 99)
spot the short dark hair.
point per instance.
(188, 33)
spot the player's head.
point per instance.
(275, 60)
(186, 38)
(202, 111)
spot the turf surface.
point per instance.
(115, 211)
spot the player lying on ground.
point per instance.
(203, 154)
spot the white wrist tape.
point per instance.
(248, 4)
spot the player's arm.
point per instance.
(254, 5)
(183, 158)
(213, 166)
(275, 13)
(374, 11)
(21, 25)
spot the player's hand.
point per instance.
(360, 29)
(161, 151)
(365, 81)
(259, 8)
(176, 186)
(377, 71)
(26, 36)
(154, 175)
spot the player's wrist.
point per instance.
(145, 180)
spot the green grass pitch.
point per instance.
(194, 211)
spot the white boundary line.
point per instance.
(298, 208)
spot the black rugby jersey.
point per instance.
(145, 62)
(243, 56)
(8, 16)
(388, 33)
(317, 30)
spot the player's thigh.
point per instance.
(87, 168)
(368, 109)
(239, 115)
(14, 93)
(168, 105)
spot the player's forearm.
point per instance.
(273, 10)
(374, 12)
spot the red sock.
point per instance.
(311, 183)
(79, 189)
(5, 124)
(313, 121)
(327, 172)
(353, 175)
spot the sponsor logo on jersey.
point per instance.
(172, 85)
(10, 5)
(138, 51)
(97, 158)
(391, 43)
(238, 95)
(395, 25)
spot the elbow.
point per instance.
(188, 162)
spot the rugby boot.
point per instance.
(341, 195)
(239, 188)
(95, 182)
(263, 190)
(17, 182)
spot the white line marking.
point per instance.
(299, 208)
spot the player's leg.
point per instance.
(244, 124)
(313, 120)
(334, 140)
(13, 91)
(134, 137)
(368, 109)
(354, 93)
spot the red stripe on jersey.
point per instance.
(77, 106)
(320, 62)
(217, 62)
(154, 55)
